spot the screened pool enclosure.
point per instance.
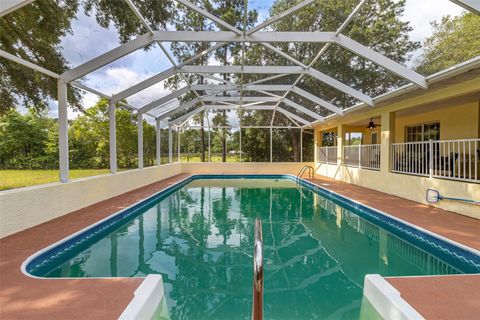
(237, 89)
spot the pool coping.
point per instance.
(178, 184)
(37, 254)
(387, 300)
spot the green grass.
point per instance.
(10, 179)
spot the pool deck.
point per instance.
(434, 297)
(23, 297)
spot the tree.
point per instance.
(454, 40)
(231, 11)
(48, 22)
(189, 20)
(24, 140)
(119, 14)
(89, 138)
(377, 25)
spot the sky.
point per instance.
(89, 40)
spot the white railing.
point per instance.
(411, 158)
(449, 159)
(327, 155)
(456, 159)
(363, 156)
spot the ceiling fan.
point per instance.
(371, 125)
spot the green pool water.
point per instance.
(200, 239)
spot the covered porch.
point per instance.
(424, 140)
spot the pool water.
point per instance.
(200, 239)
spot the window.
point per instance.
(328, 139)
(353, 138)
(374, 138)
(423, 132)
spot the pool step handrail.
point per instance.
(257, 306)
(311, 172)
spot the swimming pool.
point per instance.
(198, 235)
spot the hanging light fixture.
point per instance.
(371, 124)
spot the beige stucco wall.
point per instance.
(456, 122)
(26, 207)
(244, 167)
(408, 186)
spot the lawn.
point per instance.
(10, 179)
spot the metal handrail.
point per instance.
(311, 172)
(257, 307)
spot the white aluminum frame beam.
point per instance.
(63, 131)
(140, 139)
(238, 69)
(165, 99)
(159, 77)
(324, 48)
(276, 76)
(158, 142)
(144, 84)
(188, 115)
(9, 6)
(106, 58)
(234, 35)
(210, 16)
(28, 64)
(139, 16)
(239, 99)
(470, 5)
(340, 86)
(167, 113)
(251, 87)
(302, 109)
(229, 36)
(282, 70)
(381, 60)
(293, 116)
(191, 36)
(221, 107)
(112, 131)
(275, 88)
(88, 89)
(280, 16)
(315, 99)
(322, 78)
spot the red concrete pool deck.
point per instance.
(434, 297)
(23, 297)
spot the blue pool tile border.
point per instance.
(43, 260)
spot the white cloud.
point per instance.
(88, 39)
(422, 13)
(116, 79)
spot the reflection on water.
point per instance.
(200, 239)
